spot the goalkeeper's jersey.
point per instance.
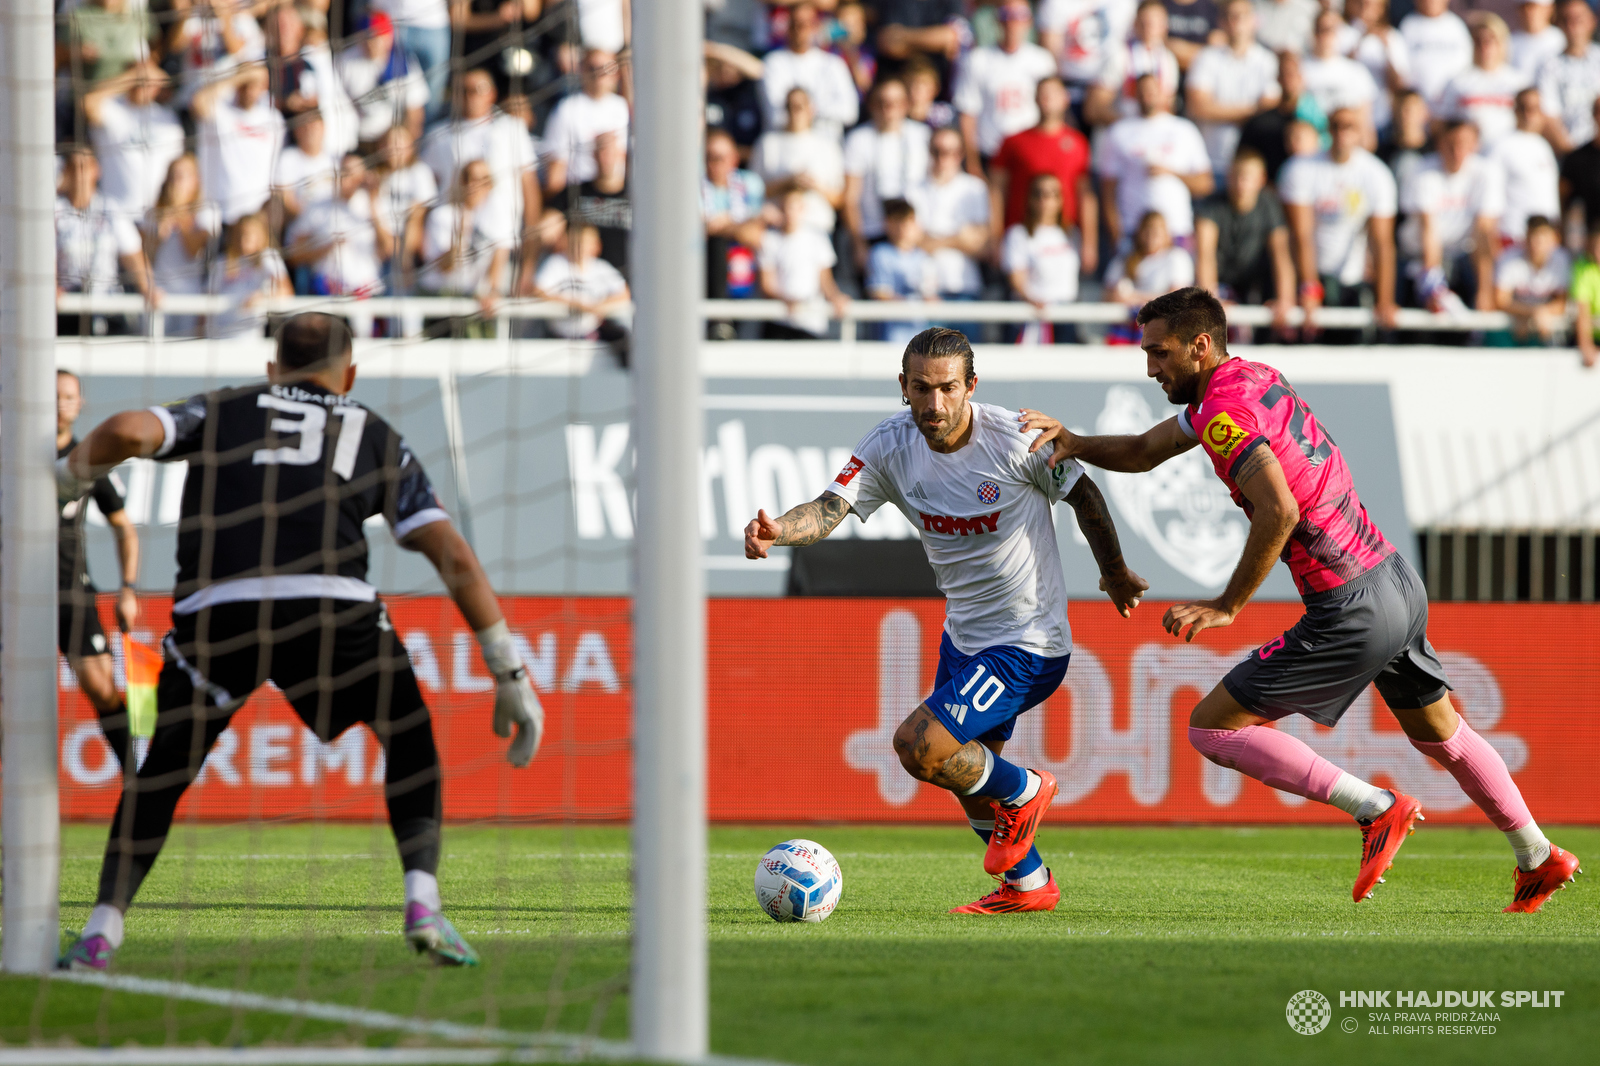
(281, 478)
(984, 514)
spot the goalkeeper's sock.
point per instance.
(105, 920)
(422, 887)
(1026, 875)
(1004, 781)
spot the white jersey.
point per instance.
(1532, 181)
(1456, 201)
(1487, 98)
(998, 87)
(983, 513)
(1132, 147)
(1233, 80)
(1091, 31)
(1440, 47)
(1568, 86)
(1343, 198)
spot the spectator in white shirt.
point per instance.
(1113, 95)
(994, 91)
(1368, 38)
(1040, 259)
(1085, 35)
(134, 137)
(93, 240)
(1156, 162)
(1335, 80)
(882, 161)
(953, 210)
(384, 81)
(406, 188)
(798, 155)
(482, 132)
(1537, 40)
(1485, 94)
(238, 133)
(212, 41)
(1531, 283)
(1451, 233)
(1154, 266)
(1230, 83)
(1285, 25)
(304, 78)
(1341, 207)
(797, 268)
(824, 76)
(580, 119)
(307, 170)
(340, 242)
(424, 27)
(249, 272)
(179, 232)
(1440, 45)
(466, 246)
(1569, 83)
(590, 287)
(1532, 175)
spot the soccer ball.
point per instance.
(798, 881)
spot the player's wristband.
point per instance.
(500, 654)
(1312, 289)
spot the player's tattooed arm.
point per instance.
(1273, 517)
(1094, 520)
(805, 524)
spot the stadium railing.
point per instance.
(762, 311)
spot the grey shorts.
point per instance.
(1371, 631)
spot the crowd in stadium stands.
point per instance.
(1380, 153)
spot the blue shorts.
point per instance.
(978, 697)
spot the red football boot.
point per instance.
(1536, 886)
(1009, 900)
(1014, 827)
(1381, 838)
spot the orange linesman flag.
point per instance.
(143, 666)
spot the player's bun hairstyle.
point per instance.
(1189, 313)
(312, 338)
(940, 342)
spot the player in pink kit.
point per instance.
(1366, 612)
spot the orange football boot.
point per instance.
(1009, 900)
(1381, 838)
(1014, 827)
(1536, 886)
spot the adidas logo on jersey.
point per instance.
(916, 493)
(939, 523)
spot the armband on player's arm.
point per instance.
(515, 702)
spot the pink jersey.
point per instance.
(1248, 405)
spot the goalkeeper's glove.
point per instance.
(515, 702)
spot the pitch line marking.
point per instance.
(533, 1047)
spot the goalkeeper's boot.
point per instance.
(92, 953)
(1009, 900)
(431, 932)
(1381, 838)
(1014, 827)
(1537, 885)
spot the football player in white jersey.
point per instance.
(962, 473)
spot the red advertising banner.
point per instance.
(804, 696)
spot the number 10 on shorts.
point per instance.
(991, 689)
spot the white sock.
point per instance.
(105, 920)
(1530, 845)
(1028, 882)
(1359, 800)
(983, 779)
(422, 887)
(1030, 790)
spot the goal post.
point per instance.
(669, 984)
(31, 833)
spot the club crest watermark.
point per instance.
(1308, 1012)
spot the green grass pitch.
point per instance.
(1170, 944)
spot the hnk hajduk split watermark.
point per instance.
(1396, 1012)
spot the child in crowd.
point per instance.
(1154, 266)
(898, 268)
(1531, 282)
(797, 268)
(587, 284)
(1041, 261)
(250, 271)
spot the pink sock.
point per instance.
(1270, 756)
(1482, 774)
